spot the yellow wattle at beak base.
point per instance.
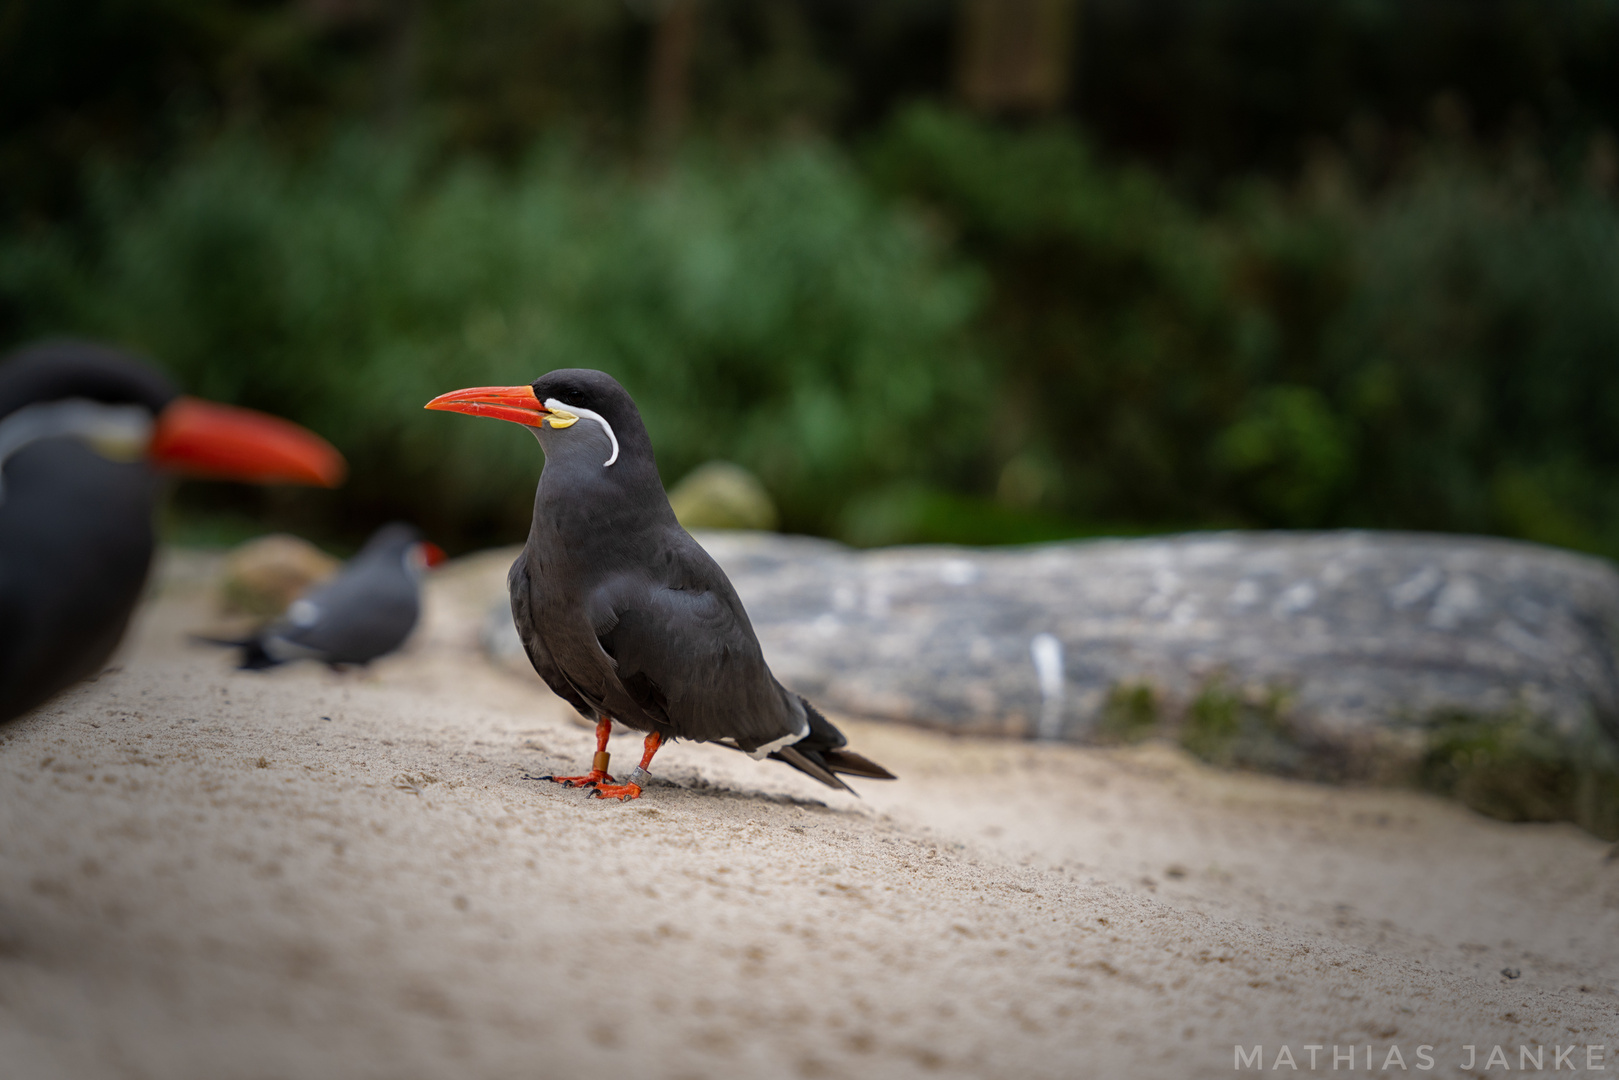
(561, 418)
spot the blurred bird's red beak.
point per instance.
(515, 403)
(203, 438)
(432, 554)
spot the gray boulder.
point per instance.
(1341, 641)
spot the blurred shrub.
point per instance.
(1442, 353)
(1478, 358)
(1206, 89)
(1144, 348)
(773, 313)
(980, 334)
(914, 513)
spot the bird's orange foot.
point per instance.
(617, 791)
(590, 779)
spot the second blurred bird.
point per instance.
(367, 610)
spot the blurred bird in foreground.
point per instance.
(85, 431)
(366, 611)
(622, 613)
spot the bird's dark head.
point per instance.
(402, 542)
(127, 411)
(573, 411)
(52, 371)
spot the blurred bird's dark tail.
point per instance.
(823, 753)
(253, 657)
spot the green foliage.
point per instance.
(1140, 348)
(1476, 359)
(1130, 715)
(1511, 766)
(1514, 768)
(771, 312)
(1246, 729)
(988, 336)
(910, 513)
(1434, 355)
(1208, 90)
(1290, 448)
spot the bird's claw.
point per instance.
(620, 792)
(588, 780)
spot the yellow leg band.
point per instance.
(599, 762)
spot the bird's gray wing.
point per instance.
(687, 656)
(520, 587)
(364, 612)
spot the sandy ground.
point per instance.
(214, 874)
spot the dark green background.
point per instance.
(1271, 264)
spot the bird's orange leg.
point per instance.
(598, 765)
(631, 788)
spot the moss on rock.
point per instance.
(1515, 767)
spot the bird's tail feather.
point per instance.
(830, 748)
(847, 761)
(229, 643)
(822, 754)
(253, 657)
(806, 763)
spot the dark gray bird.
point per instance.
(622, 613)
(85, 433)
(366, 611)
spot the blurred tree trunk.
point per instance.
(1014, 55)
(669, 76)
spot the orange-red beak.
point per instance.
(432, 554)
(203, 438)
(515, 403)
